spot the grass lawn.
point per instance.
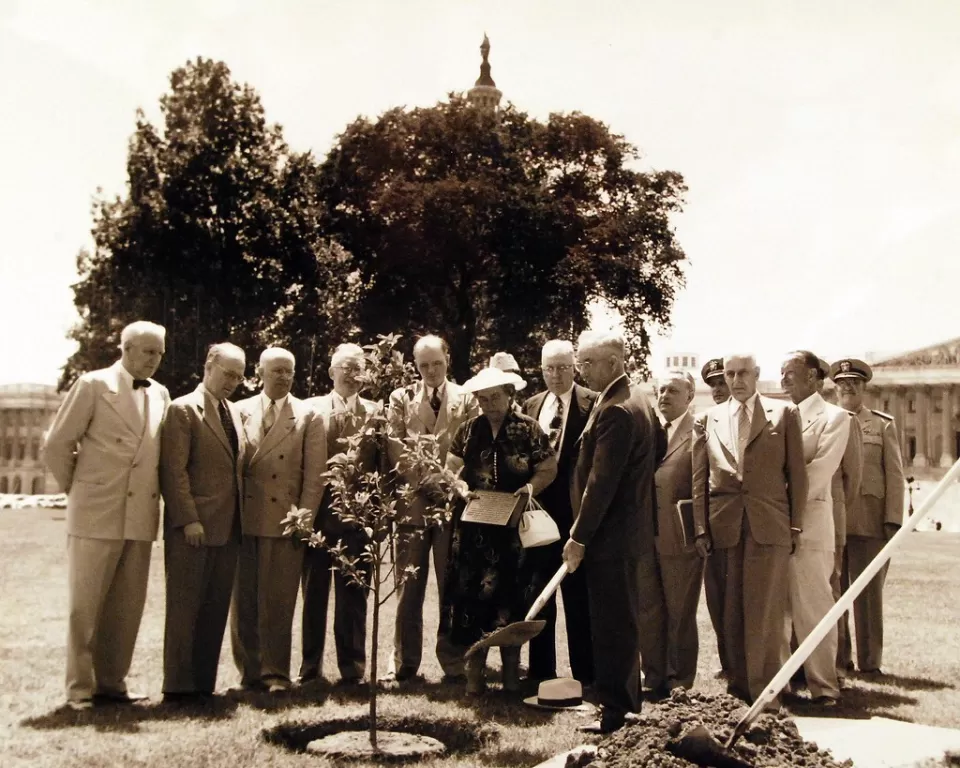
(922, 659)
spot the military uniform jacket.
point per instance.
(881, 488)
(200, 476)
(409, 413)
(283, 468)
(106, 459)
(846, 482)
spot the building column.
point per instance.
(947, 438)
(922, 414)
(898, 409)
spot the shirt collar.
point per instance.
(428, 390)
(749, 404)
(565, 398)
(280, 402)
(124, 374)
(607, 388)
(349, 403)
(809, 404)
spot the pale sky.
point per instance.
(820, 139)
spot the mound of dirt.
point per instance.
(772, 741)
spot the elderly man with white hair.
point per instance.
(284, 460)
(104, 451)
(749, 492)
(613, 531)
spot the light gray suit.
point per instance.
(681, 568)
(104, 455)
(281, 469)
(201, 482)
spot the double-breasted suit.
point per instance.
(879, 504)
(544, 561)
(681, 568)
(201, 481)
(281, 468)
(615, 520)
(410, 414)
(350, 607)
(747, 508)
(826, 431)
(104, 449)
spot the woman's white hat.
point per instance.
(489, 378)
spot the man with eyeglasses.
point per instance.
(200, 478)
(614, 525)
(562, 412)
(344, 414)
(437, 406)
(284, 460)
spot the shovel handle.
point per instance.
(842, 606)
(547, 593)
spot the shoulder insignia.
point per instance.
(883, 415)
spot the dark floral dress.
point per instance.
(484, 587)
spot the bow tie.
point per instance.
(137, 383)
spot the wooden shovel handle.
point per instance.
(547, 593)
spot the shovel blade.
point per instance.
(698, 746)
(517, 633)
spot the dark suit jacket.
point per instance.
(555, 498)
(674, 482)
(200, 476)
(613, 493)
(774, 487)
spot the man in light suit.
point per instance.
(826, 432)
(562, 412)
(344, 413)
(749, 488)
(437, 406)
(875, 516)
(845, 490)
(284, 460)
(104, 449)
(200, 477)
(613, 530)
(681, 568)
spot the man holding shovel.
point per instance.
(613, 531)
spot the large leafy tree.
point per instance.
(219, 237)
(497, 230)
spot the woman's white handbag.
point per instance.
(537, 528)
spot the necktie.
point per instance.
(666, 431)
(435, 401)
(556, 425)
(743, 434)
(228, 429)
(137, 383)
(269, 417)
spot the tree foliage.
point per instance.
(496, 231)
(219, 237)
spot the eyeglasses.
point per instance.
(349, 367)
(230, 375)
(557, 368)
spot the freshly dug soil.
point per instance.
(772, 741)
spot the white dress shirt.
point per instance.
(549, 410)
(139, 396)
(349, 404)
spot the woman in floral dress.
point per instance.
(500, 450)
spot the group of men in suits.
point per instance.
(760, 500)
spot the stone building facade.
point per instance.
(26, 412)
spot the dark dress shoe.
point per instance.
(453, 679)
(184, 698)
(655, 694)
(603, 726)
(116, 697)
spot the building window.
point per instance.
(911, 405)
(7, 450)
(38, 485)
(16, 484)
(3, 485)
(886, 406)
(686, 361)
(21, 449)
(693, 361)
(35, 450)
(911, 448)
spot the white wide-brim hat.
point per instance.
(489, 378)
(562, 693)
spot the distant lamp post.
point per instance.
(910, 488)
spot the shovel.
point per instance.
(700, 742)
(520, 632)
